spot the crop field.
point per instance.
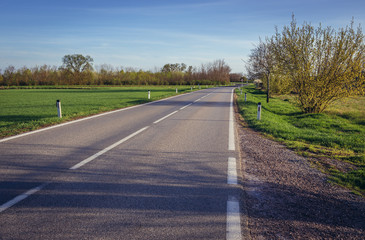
(23, 110)
(334, 140)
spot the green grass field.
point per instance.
(334, 137)
(23, 110)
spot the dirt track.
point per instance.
(285, 198)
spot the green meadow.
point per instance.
(334, 139)
(23, 110)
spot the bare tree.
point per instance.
(261, 63)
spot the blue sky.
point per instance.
(146, 34)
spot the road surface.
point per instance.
(163, 170)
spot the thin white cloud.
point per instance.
(183, 36)
(167, 9)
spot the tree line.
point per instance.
(78, 70)
(319, 65)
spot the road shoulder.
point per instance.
(285, 198)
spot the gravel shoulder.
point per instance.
(284, 197)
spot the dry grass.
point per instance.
(352, 108)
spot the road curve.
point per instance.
(164, 170)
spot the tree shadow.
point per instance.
(149, 191)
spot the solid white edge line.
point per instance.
(233, 227)
(67, 123)
(21, 197)
(89, 159)
(163, 118)
(232, 171)
(231, 142)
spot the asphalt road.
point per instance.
(164, 170)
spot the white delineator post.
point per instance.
(149, 94)
(259, 111)
(59, 111)
(176, 90)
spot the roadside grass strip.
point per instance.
(337, 135)
(23, 110)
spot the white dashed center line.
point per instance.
(89, 159)
(21, 197)
(163, 118)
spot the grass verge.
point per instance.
(334, 140)
(24, 110)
